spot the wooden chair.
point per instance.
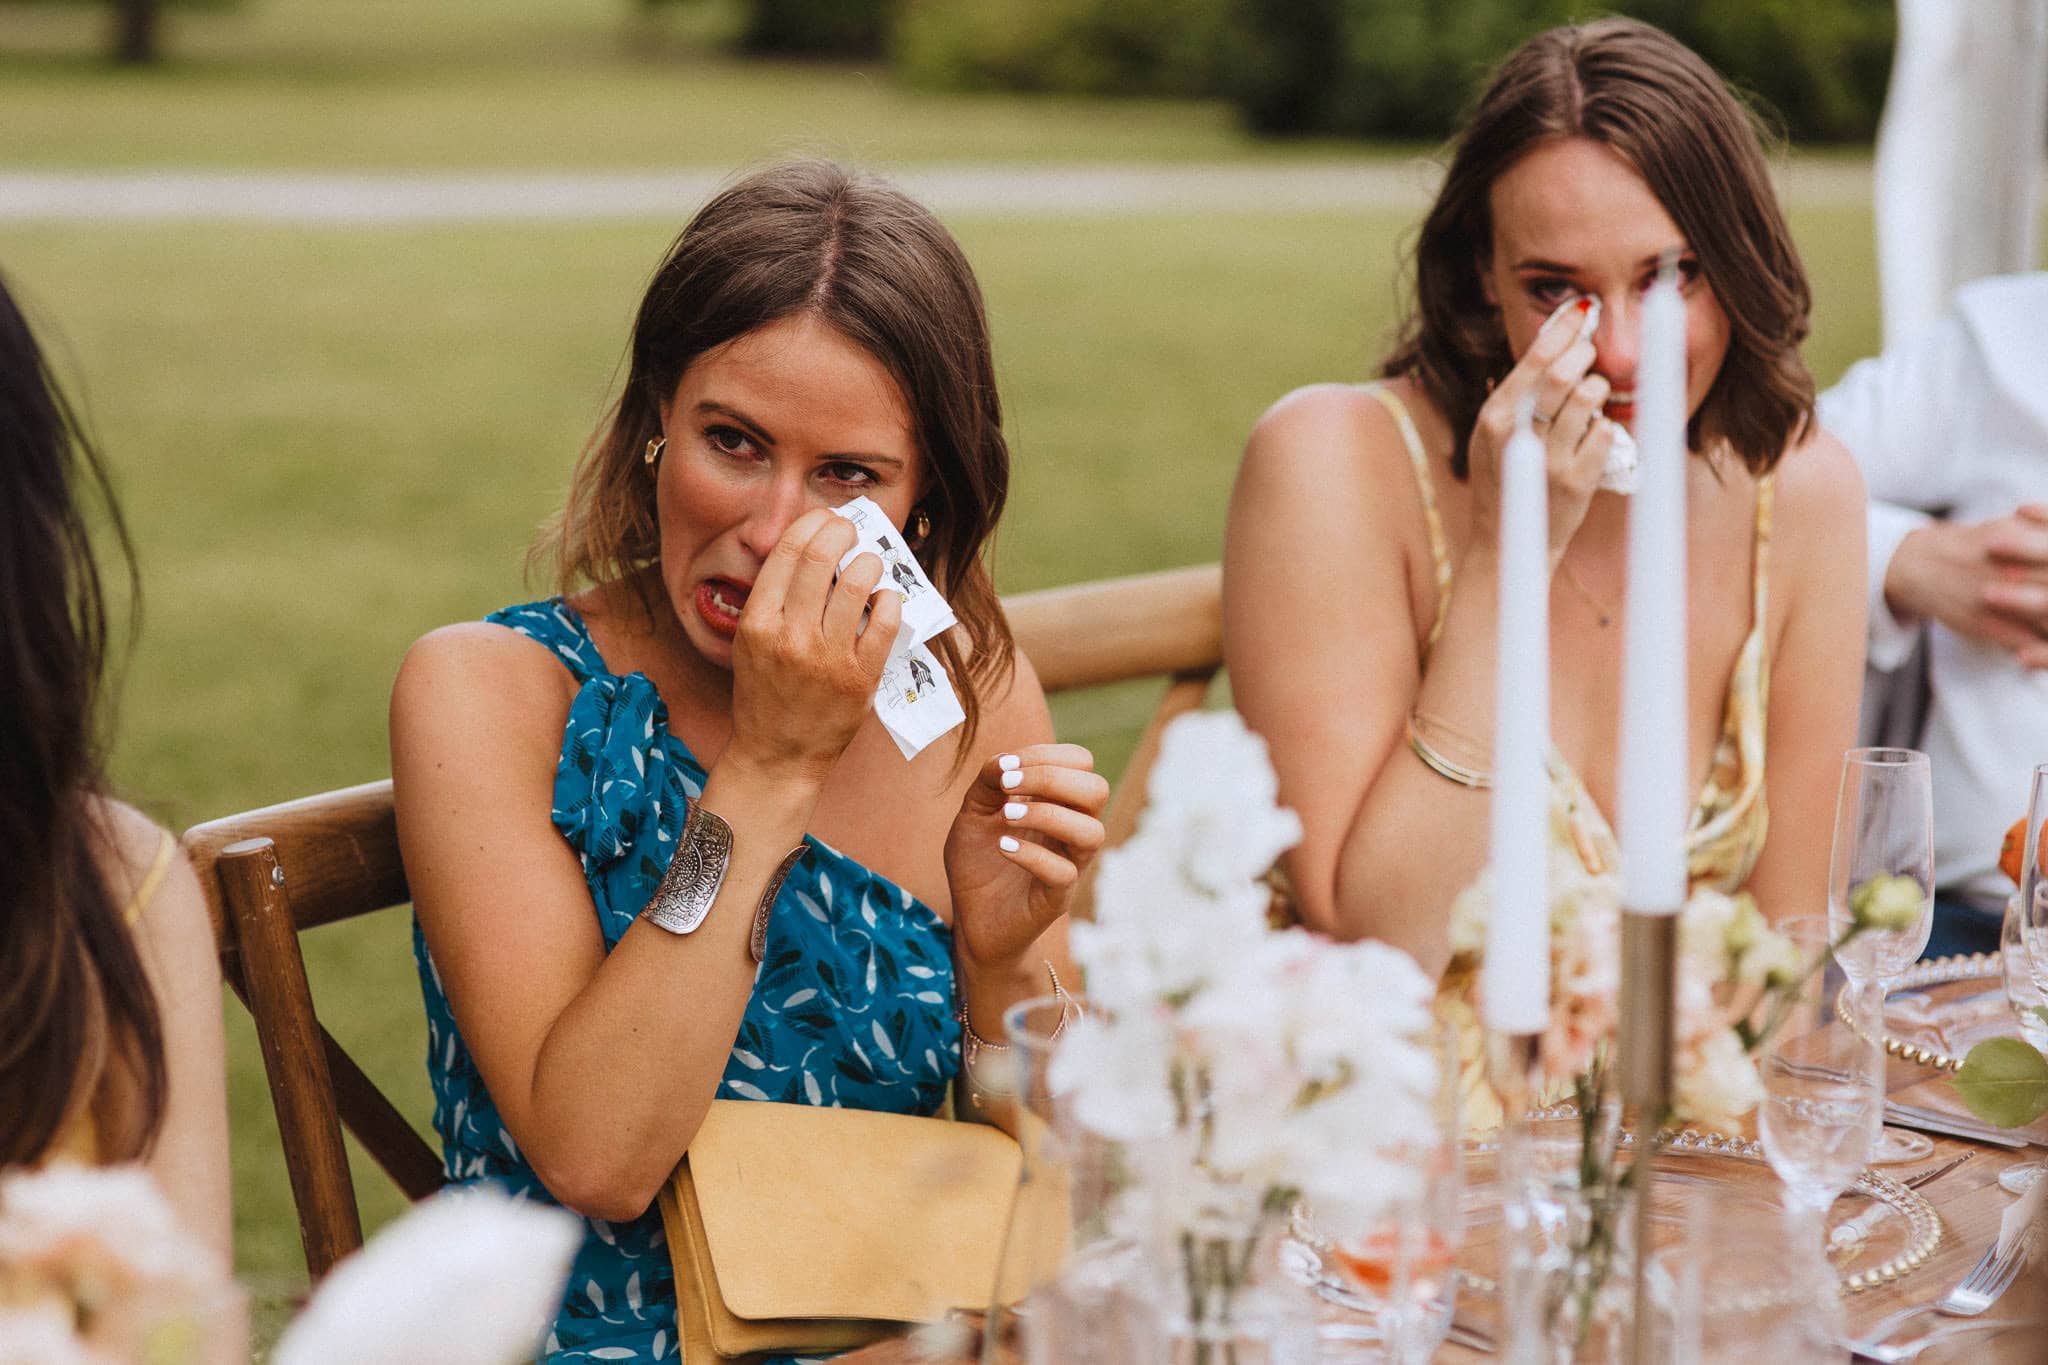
(271, 873)
(268, 874)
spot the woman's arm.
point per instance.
(174, 938)
(1320, 631)
(1009, 905)
(1816, 569)
(603, 1065)
(1320, 638)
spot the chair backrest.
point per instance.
(1116, 630)
(268, 874)
(272, 872)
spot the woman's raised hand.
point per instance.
(1554, 372)
(804, 671)
(1027, 828)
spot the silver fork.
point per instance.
(1978, 1290)
(1886, 1354)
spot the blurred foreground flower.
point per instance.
(469, 1277)
(95, 1268)
(1244, 1068)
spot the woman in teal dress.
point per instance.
(704, 682)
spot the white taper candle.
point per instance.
(1515, 976)
(1655, 762)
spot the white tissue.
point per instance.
(915, 698)
(1621, 473)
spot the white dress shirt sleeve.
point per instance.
(1898, 416)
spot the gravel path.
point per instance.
(1022, 191)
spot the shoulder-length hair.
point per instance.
(74, 1000)
(810, 238)
(1647, 97)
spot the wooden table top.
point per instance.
(1967, 1198)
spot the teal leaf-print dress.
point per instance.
(852, 1005)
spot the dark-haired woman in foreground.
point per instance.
(1360, 572)
(813, 336)
(110, 1005)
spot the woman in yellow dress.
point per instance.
(1361, 558)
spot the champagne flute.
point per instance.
(1884, 826)
(1823, 1087)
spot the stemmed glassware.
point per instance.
(1884, 827)
(2031, 912)
(1823, 1087)
(1400, 1277)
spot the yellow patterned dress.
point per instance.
(1726, 832)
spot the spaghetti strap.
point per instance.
(151, 880)
(1439, 551)
(1766, 489)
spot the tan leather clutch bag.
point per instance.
(797, 1229)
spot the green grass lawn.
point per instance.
(465, 84)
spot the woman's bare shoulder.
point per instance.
(1320, 418)
(479, 663)
(478, 698)
(1819, 478)
(150, 877)
(1817, 547)
(1333, 436)
(131, 846)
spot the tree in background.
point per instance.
(1376, 68)
(135, 31)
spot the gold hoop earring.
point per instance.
(654, 448)
(920, 524)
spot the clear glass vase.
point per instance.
(1568, 1248)
(1076, 1275)
(1222, 1301)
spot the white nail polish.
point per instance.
(1009, 763)
(1015, 810)
(1007, 844)
(1013, 778)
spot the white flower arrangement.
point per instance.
(95, 1270)
(1259, 1066)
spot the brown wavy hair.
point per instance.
(812, 238)
(1647, 97)
(74, 1002)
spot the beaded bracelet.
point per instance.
(972, 1044)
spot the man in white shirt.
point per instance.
(1950, 426)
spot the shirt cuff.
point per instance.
(1891, 637)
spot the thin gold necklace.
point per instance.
(1602, 610)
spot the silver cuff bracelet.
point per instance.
(759, 942)
(694, 873)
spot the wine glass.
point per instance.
(1823, 1086)
(1069, 1288)
(1398, 1279)
(1730, 1297)
(1884, 827)
(2031, 906)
